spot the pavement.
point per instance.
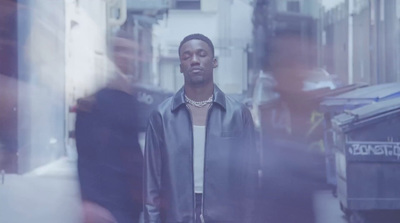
(47, 195)
(326, 208)
(51, 194)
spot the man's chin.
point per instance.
(197, 80)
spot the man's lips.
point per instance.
(195, 69)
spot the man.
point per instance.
(200, 153)
(110, 161)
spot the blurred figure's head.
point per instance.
(124, 50)
(8, 38)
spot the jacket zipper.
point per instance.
(204, 166)
(194, 194)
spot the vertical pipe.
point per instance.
(350, 41)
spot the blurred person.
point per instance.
(110, 161)
(8, 86)
(8, 123)
(200, 150)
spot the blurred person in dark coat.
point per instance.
(110, 160)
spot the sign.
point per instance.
(373, 151)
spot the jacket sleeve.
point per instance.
(252, 165)
(152, 171)
(87, 161)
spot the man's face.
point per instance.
(197, 62)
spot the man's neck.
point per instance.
(199, 93)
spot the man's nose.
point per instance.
(195, 59)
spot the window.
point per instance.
(187, 4)
(293, 6)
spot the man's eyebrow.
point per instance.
(185, 52)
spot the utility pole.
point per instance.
(263, 32)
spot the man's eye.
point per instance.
(203, 53)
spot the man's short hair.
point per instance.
(199, 37)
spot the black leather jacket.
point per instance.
(230, 175)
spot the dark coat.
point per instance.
(230, 167)
(110, 162)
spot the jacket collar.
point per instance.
(179, 98)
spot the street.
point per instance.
(51, 194)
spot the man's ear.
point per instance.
(215, 63)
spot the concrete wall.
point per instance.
(86, 51)
(87, 66)
(41, 63)
(240, 35)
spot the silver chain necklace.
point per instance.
(198, 104)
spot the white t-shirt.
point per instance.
(199, 137)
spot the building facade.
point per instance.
(361, 40)
(53, 53)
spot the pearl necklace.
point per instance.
(198, 104)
